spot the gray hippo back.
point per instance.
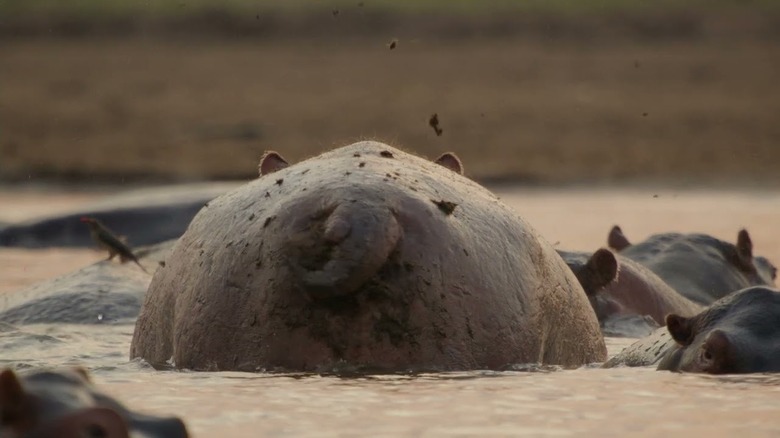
(698, 266)
(366, 256)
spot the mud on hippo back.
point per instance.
(366, 256)
(65, 404)
(629, 299)
(698, 266)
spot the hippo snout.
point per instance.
(342, 247)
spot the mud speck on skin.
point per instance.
(267, 195)
(251, 216)
(392, 44)
(446, 206)
(362, 164)
(279, 181)
(386, 154)
(434, 123)
(356, 155)
(161, 263)
(268, 220)
(206, 204)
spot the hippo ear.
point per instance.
(450, 161)
(617, 239)
(81, 371)
(680, 328)
(12, 397)
(600, 270)
(271, 162)
(715, 353)
(91, 422)
(744, 250)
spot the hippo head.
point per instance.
(594, 273)
(736, 334)
(721, 266)
(65, 404)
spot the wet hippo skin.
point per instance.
(101, 293)
(365, 256)
(66, 404)
(699, 267)
(619, 288)
(737, 334)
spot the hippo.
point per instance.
(739, 333)
(65, 404)
(144, 217)
(619, 288)
(367, 259)
(104, 292)
(700, 267)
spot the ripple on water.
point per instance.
(547, 401)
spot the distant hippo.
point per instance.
(104, 292)
(700, 267)
(739, 333)
(369, 258)
(65, 404)
(618, 287)
(144, 217)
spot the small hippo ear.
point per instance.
(715, 353)
(11, 397)
(744, 249)
(680, 328)
(91, 422)
(450, 161)
(617, 239)
(271, 162)
(81, 371)
(600, 270)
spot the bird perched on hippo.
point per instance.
(366, 256)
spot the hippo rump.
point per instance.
(700, 267)
(739, 333)
(622, 292)
(363, 258)
(65, 404)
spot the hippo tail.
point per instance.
(347, 248)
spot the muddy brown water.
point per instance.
(547, 402)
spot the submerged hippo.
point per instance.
(368, 257)
(104, 292)
(144, 217)
(619, 289)
(739, 333)
(700, 267)
(65, 404)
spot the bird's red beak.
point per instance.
(85, 219)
